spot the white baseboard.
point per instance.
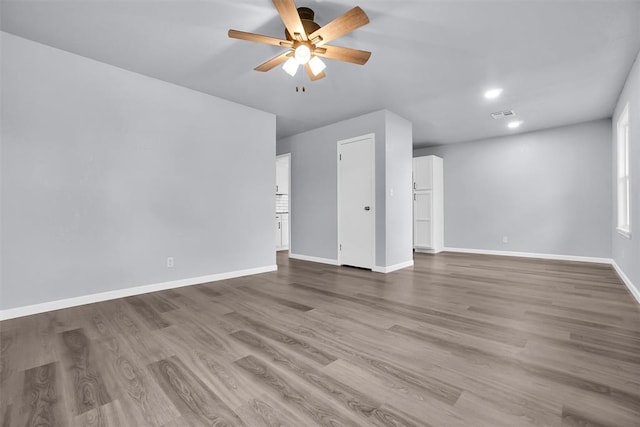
(625, 279)
(313, 259)
(28, 310)
(632, 288)
(427, 250)
(12, 313)
(532, 255)
(329, 261)
(394, 267)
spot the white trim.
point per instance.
(394, 267)
(532, 255)
(340, 143)
(28, 310)
(625, 279)
(623, 232)
(314, 259)
(288, 156)
(425, 250)
(623, 146)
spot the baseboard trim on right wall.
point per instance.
(532, 255)
(625, 279)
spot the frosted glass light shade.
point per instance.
(302, 54)
(316, 65)
(291, 66)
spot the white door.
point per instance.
(356, 218)
(422, 216)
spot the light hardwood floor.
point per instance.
(458, 340)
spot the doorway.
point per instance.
(283, 202)
(356, 202)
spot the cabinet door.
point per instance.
(282, 176)
(278, 232)
(285, 231)
(422, 219)
(423, 173)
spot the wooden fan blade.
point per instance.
(354, 56)
(289, 14)
(312, 76)
(355, 18)
(259, 38)
(275, 61)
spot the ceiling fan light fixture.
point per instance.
(291, 66)
(304, 39)
(302, 54)
(317, 65)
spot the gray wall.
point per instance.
(548, 191)
(314, 186)
(314, 197)
(106, 173)
(399, 194)
(626, 252)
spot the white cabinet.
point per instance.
(428, 204)
(422, 215)
(282, 231)
(278, 231)
(282, 175)
(423, 172)
(285, 231)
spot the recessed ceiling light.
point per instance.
(493, 93)
(515, 124)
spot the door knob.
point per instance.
(367, 208)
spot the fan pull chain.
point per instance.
(300, 86)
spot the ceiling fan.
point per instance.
(306, 41)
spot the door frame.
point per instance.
(288, 157)
(340, 143)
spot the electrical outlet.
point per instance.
(505, 239)
(170, 262)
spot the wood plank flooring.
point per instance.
(457, 340)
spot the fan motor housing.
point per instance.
(306, 15)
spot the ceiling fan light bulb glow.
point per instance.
(302, 54)
(291, 66)
(317, 65)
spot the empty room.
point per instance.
(312, 213)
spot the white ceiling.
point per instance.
(559, 62)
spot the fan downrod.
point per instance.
(306, 16)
